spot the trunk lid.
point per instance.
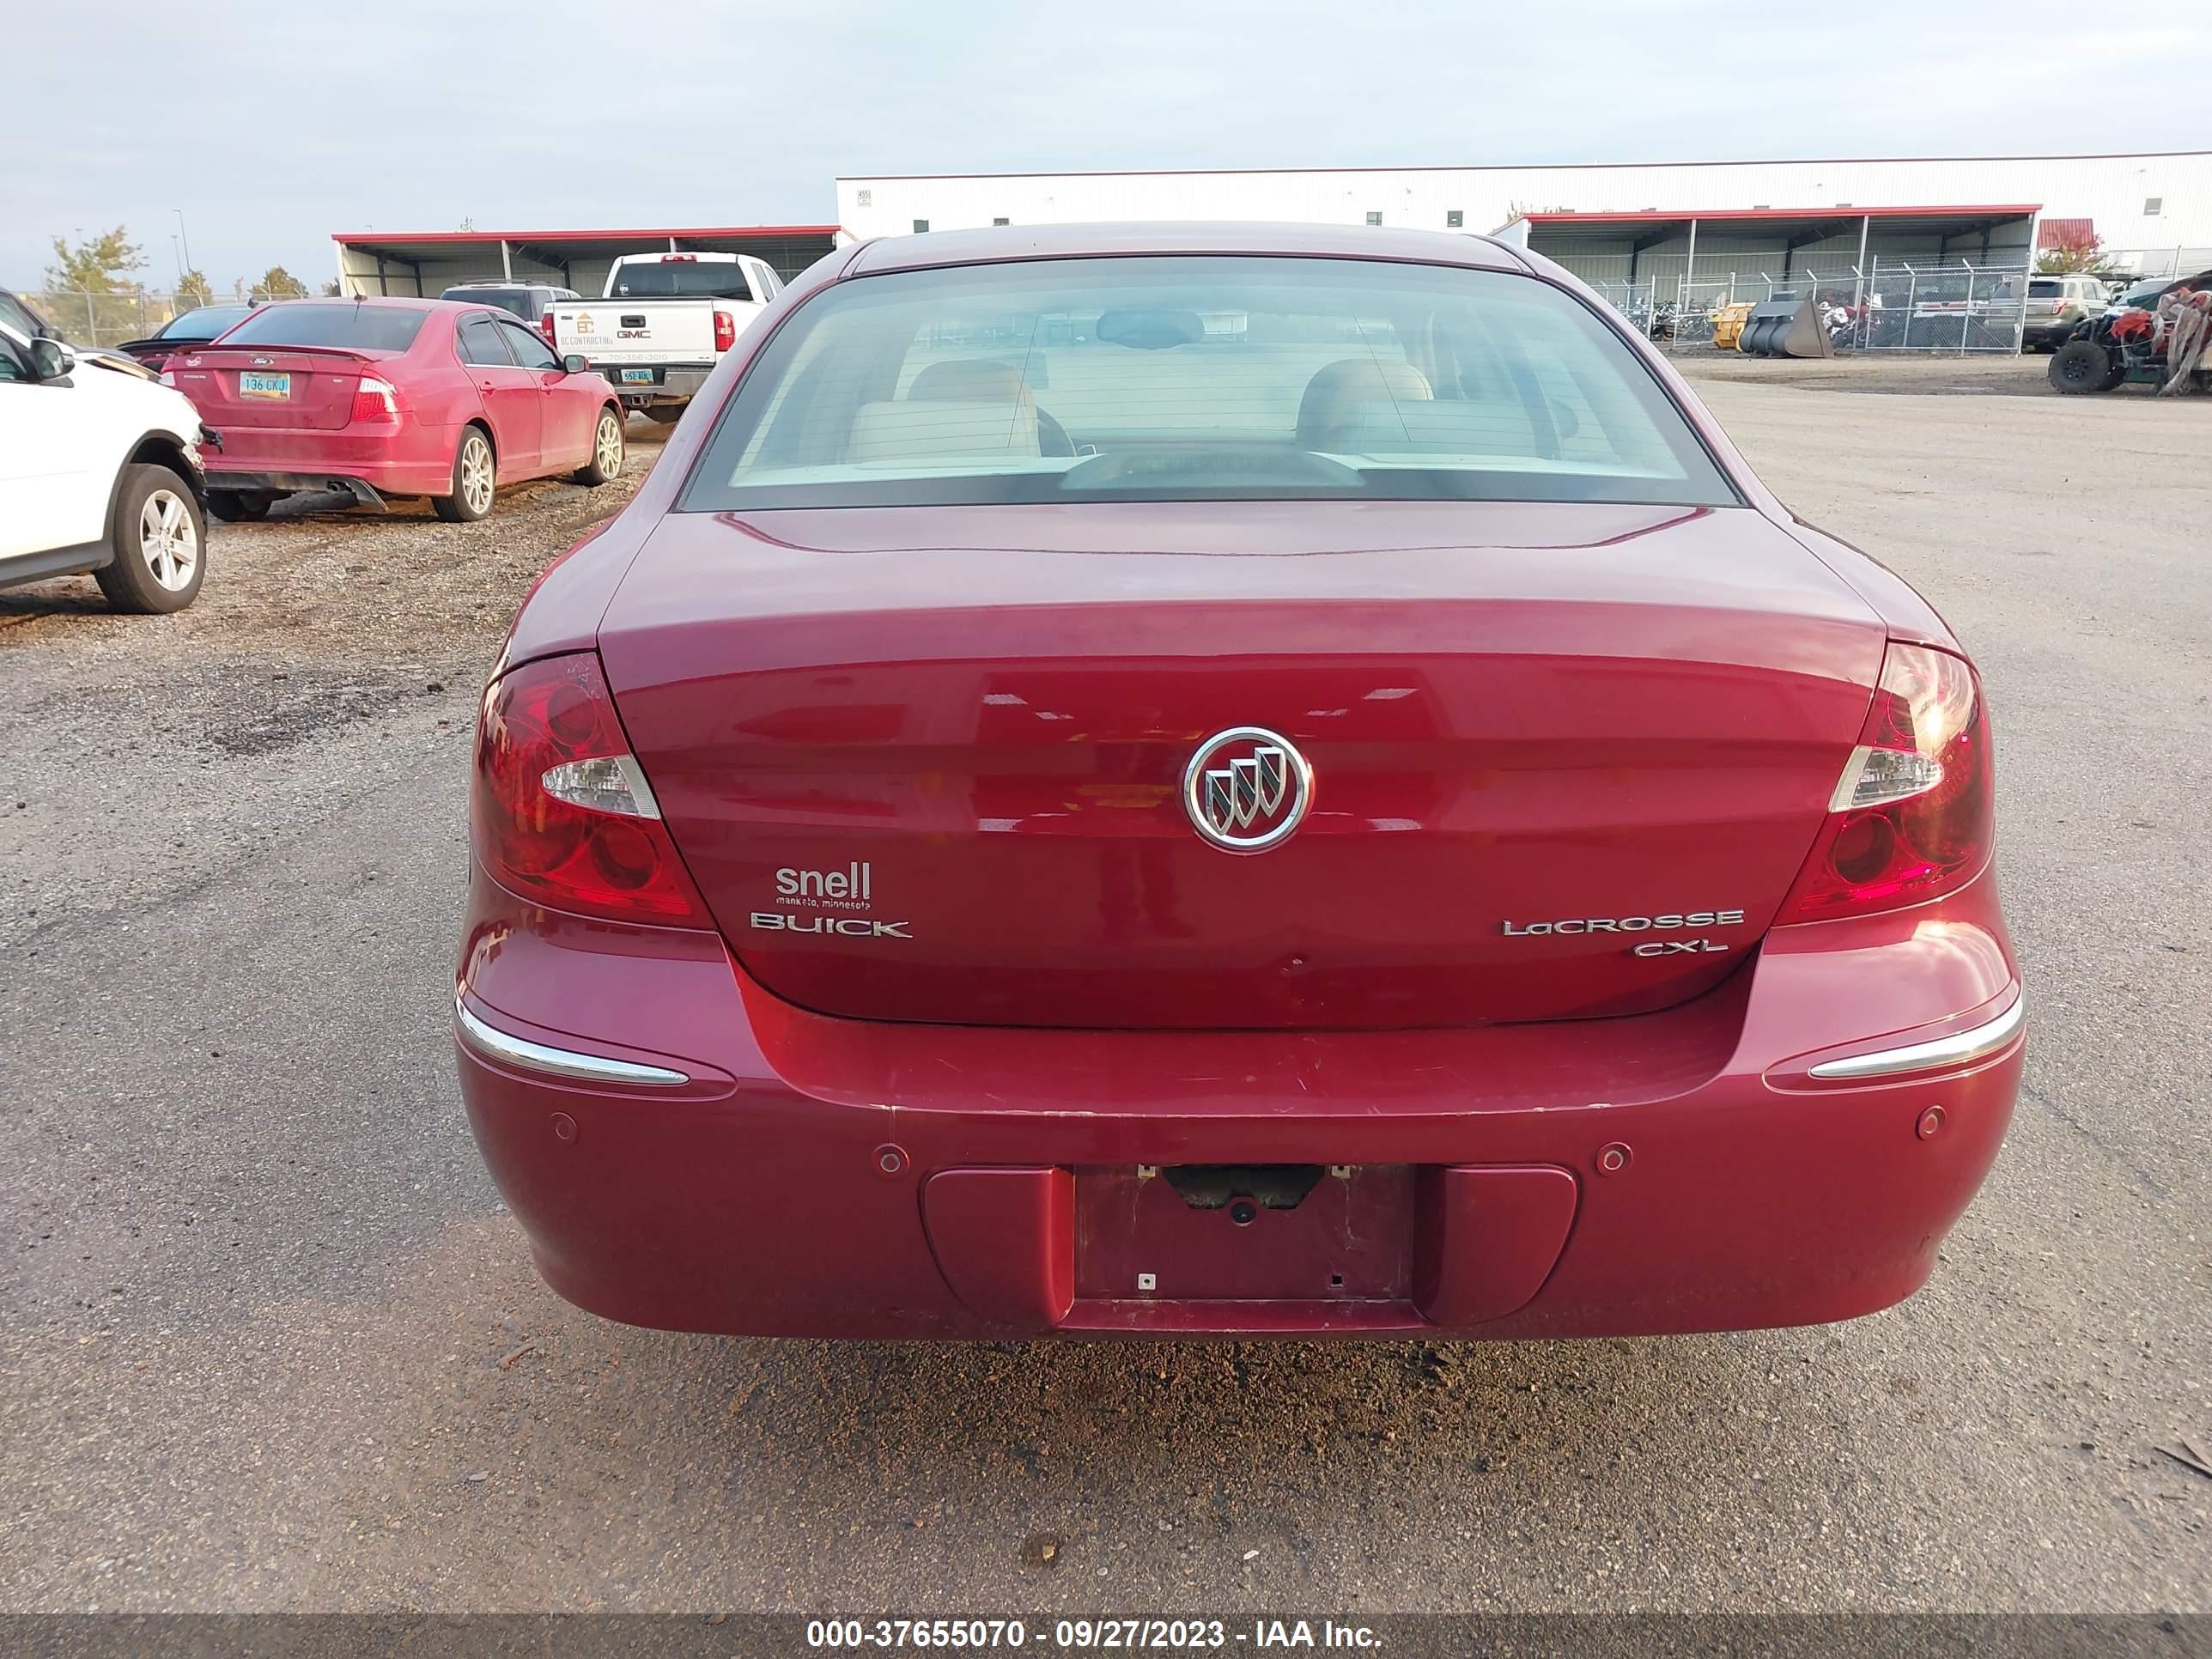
(928, 763)
(290, 387)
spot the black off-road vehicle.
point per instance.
(2107, 351)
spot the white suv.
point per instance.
(98, 472)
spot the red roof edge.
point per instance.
(350, 236)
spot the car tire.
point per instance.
(2080, 367)
(236, 507)
(661, 415)
(475, 479)
(158, 538)
(608, 447)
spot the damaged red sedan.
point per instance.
(377, 397)
(1230, 780)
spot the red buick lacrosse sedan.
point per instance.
(1230, 779)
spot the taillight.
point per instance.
(561, 811)
(1911, 817)
(726, 330)
(375, 400)
(545, 327)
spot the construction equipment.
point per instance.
(1785, 328)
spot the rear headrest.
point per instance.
(911, 431)
(1333, 391)
(969, 381)
(1435, 429)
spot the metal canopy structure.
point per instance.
(1837, 240)
(425, 262)
(1807, 224)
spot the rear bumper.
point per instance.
(418, 462)
(670, 385)
(777, 1172)
(288, 483)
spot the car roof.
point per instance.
(2168, 281)
(380, 302)
(406, 302)
(1011, 242)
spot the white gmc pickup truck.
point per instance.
(665, 320)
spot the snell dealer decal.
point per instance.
(815, 892)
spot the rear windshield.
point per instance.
(521, 301)
(2042, 290)
(1214, 378)
(304, 323)
(204, 324)
(674, 278)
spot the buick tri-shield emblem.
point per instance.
(1247, 788)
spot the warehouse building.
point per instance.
(1704, 224)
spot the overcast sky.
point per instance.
(273, 123)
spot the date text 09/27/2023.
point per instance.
(1087, 1635)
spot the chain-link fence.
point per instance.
(86, 319)
(2134, 265)
(1956, 306)
(1953, 307)
(1638, 302)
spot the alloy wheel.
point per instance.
(477, 481)
(168, 540)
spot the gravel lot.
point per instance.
(268, 1342)
(1981, 376)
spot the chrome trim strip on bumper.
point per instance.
(1954, 1050)
(559, 1062)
